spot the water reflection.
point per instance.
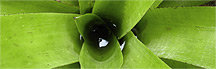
(102, 42)
(122, 45)
(81, 39)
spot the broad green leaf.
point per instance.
(156, 3)
(107, 57)
(123, 14)
(182, 34)
(13, 7)
(93, 56)
(70, 2)
(180, 3)
(178, 64)
(44, 40)
(86, 6)
(69, 66)
(137, 55)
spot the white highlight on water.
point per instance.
(122, 45)
(103, 42)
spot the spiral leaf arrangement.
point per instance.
(107, 34)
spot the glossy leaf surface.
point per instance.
(180, 3)
(182, 34)
(69, 66)
(137, 55)
(70, 2)
(39, 40)
(107, 57)
(178, 64)
(14, 7)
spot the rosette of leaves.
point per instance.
(98, 34)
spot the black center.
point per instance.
(100, 31)
(100, 34)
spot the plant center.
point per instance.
(102, 34)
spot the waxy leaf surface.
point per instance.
(14, 7)
(107, 57)
(178, 64)
(39, 40)
(180, 3)
(182, 34)
(69, 66)
(70, 2)
(137, 55)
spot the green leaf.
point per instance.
(86, 6)
(182, 34)
(177, 64)
(70, 2)
(137, 55)
(14, 7)
(39, 40)
(123, 15)
(107, 57)
(156, 3)
(93, 56)
(69, 66)
(174, 3)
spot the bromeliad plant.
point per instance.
(97, 34)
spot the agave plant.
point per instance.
(107, 34)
